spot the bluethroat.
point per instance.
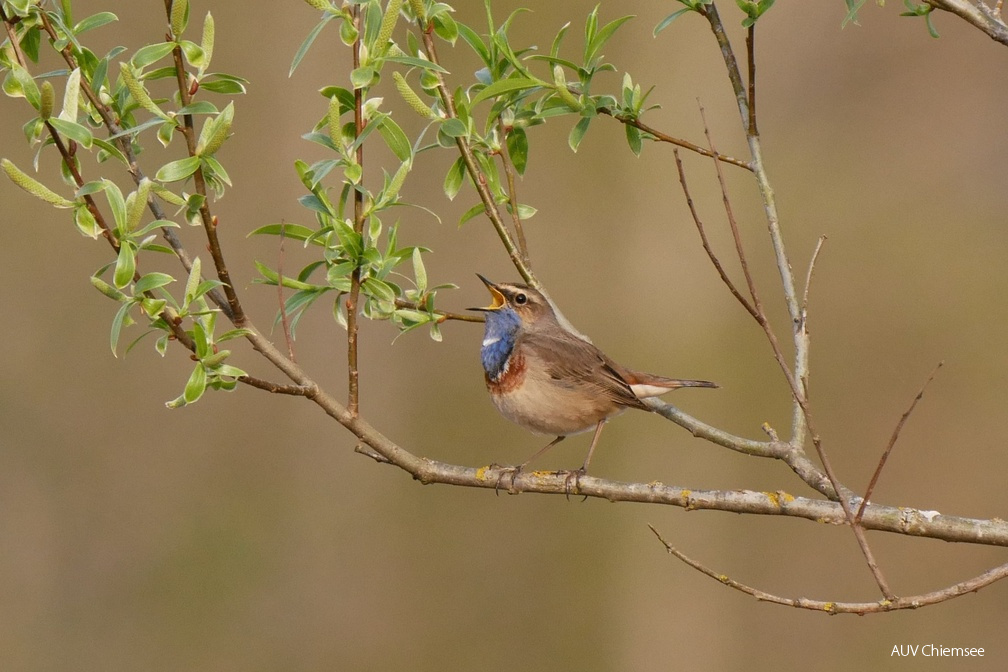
(549, 380)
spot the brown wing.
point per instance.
(574, 362)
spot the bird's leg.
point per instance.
(518, 469)
(576, 475)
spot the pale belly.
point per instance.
(553, 409)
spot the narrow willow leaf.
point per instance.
(152, 281)
(577, 133)
(453, 180)
(192, 282)
(77, 132)
(94, 21)
(151, 53)
(178, 170)
(196, 385)
(125, 266)
(508, 85)
(419, 272)
(120, 320)
(71, 96)
(306, 45)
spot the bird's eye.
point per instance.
(521, 299)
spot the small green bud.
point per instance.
(411, 98)
(48, 97)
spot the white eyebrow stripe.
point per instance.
(490, 341)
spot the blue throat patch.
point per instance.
(498, 340)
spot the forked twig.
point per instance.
(706, 243)
(831, 607)
(799, 393)
(892, 442)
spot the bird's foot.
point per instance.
(573, 477)
(513, 471)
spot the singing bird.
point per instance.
(549, 380)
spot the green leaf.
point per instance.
(667, 21)
(121, 319)
(71, 96)
(196, 384)
(419, 272)
(125, 266)
(577, 133)
(223, 84)
(76, 132)
(474, 211)
(362, 77)
(94, 21)
(192, 282)
(378, 289)
(453, 180)
(517, 147)
(454, 128)
(603, 36)
(116, 202)
(508, 85)
(151, 281)
(396, 139)
(306, 45)
(86, 222)
(178, 170)
(633, 136)
(151, 53)
(19, 84)
(293, 231)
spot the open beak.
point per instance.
(498, 297)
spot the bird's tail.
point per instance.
(646, 385)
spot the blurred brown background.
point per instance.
(245, 534)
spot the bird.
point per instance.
(549, 380)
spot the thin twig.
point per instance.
(892, 442)
(664, 137)
(705, 242)
(199, 183)
(353, 373)
(125, 146)
(275, 388)
(283, 304)
(751, 61)
(808, 276)
(800, 394)
(509, 173)
(479, 180)
(443, 314)
(14, 42)
(833, 607)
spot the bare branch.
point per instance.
(353, 373)
(705, 242)
(977, 15)
(237, 314)
(892, 441)
(509, 173)
(664, 137)
(834, 607)
(280, 297)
